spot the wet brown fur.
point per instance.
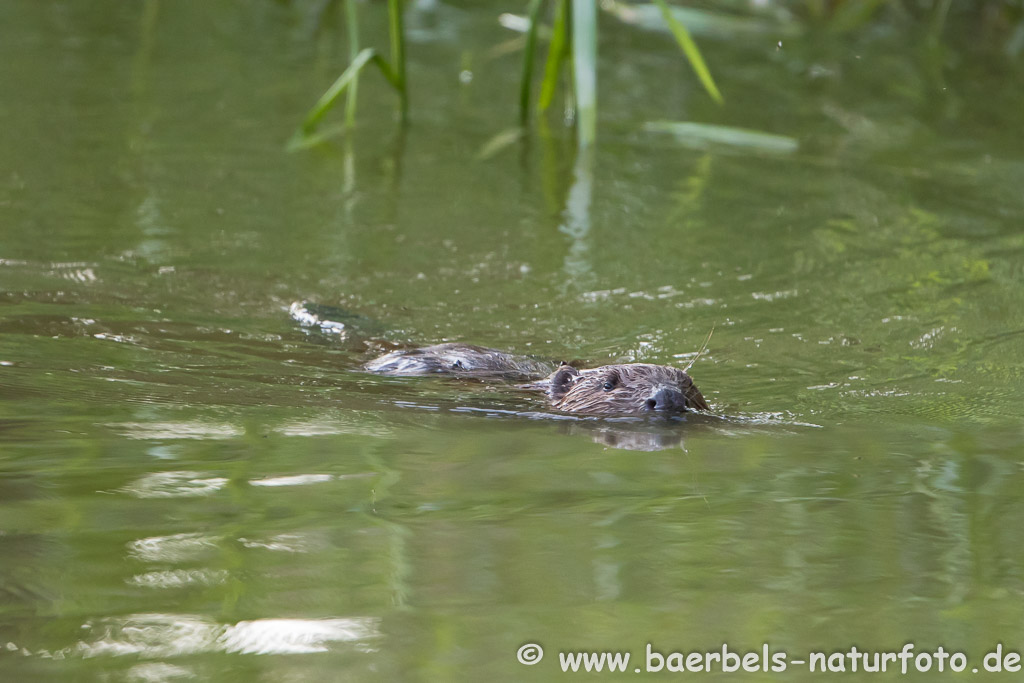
(628, 389)
(458, 360)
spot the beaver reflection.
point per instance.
(638, 436)
(626, 389)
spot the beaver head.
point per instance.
(633, 389)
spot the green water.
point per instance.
(193, 486)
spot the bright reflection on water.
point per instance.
(175, 635)
(174, 485)
(176, 548)
(178, 578)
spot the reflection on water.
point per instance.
(179, 635)
(576, 225)
(176, 430)
(157, 672)
(176, 635)
(287, 543)
(178, 578)
(174, 548)
(174, 485)
(295, 480)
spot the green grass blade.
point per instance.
(389, 73)
(304, 136)
(584, 62)
(691, 51)
(397, 35)
(347, 81)
(528, 54)
(557, 52)
(352, 19)
(327, 100)
(301, 140)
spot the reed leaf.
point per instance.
(394, 73)
(558, 51)
(331, 95)
(704, 135)
(397, 35)
(584, 63)
(528, 55)
(352, 21)
(691, 51)
(300, 140)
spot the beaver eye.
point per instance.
(611, 383)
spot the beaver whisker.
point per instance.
(703, 348)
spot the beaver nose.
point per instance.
(667, 399)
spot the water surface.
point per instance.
(193, 485)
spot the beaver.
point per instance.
(624, 389)
(459, 360)
(609, 390)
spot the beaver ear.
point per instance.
(561, 380)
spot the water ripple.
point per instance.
(179, 578)
(174, 548)
(174, 485)
(177, 430)
(170, 635)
